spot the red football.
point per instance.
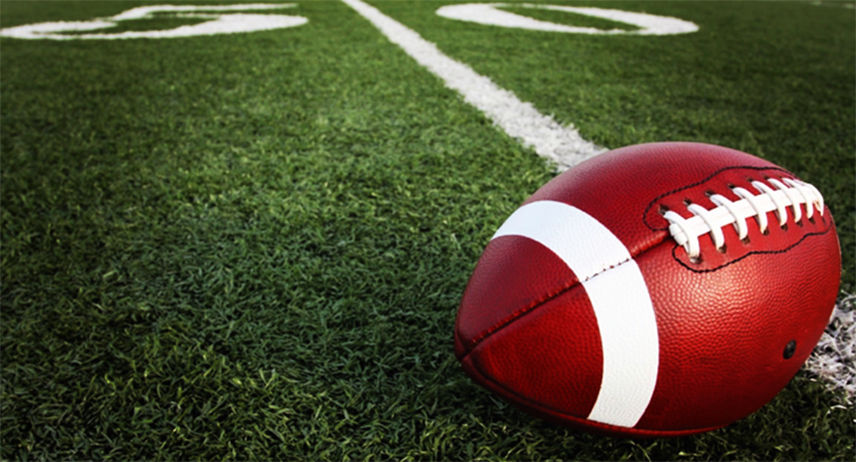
(655, 290)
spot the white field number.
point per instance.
(218, 19)
(491, 14)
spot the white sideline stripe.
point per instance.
(518, 119)
(618, 295)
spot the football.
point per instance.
(660, 289)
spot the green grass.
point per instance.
(253, 246)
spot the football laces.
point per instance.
(783, 194)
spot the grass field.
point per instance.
(252, 246)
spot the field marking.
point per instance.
(521, 120)
(491, 14)
(218, 23)
(849, 6)
(834, 358)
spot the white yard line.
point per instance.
(561, 144)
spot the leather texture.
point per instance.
(526, 329)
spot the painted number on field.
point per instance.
(217, 19)
(492, 14)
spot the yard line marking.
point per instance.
(521, 120)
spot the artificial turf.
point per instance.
(253, 246)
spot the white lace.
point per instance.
(788, 193)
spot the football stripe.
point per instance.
(631, 353)
(618, 293)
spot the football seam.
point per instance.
(482, 376)
(505, 322)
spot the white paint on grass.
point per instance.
(217, 23)
(848, 5)
(142, 12)
(521, 120)
(491, 14)
(834, 358)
